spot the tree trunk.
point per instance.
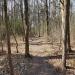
(39, 18)
(8, 38)
(2, 45)
(47, 17)
(27, 29)
(53, 8)
(13, 31)
(64, 33)
(15, 41)
(22, 18)
(65, 4)
(68, 26)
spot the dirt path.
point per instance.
(46, 59)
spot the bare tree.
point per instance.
(65, 24)
(47, 17)
(8, 38)
(22, 18)
(68, 26)
(39, 18)
(12, 29)
(27, 29)
(53, 8)
(64, 33)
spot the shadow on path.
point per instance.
(35, 66)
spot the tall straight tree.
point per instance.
(65, 24)
(68, 26)
(22, 18)
(27, 29)
(64, 34)
(8, 38)
(47, 17)
(38, 18)
(53, 8)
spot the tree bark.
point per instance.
(13, 31)
(47, 17)
(39, 19)
(8, 38)
(22, 18)
(27, 29)
(65, 4)
(53, 8)
(64, 33)
(68, 26)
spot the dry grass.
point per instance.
(46, 58)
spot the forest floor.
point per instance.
(46, 59)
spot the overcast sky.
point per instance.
(73, 4)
